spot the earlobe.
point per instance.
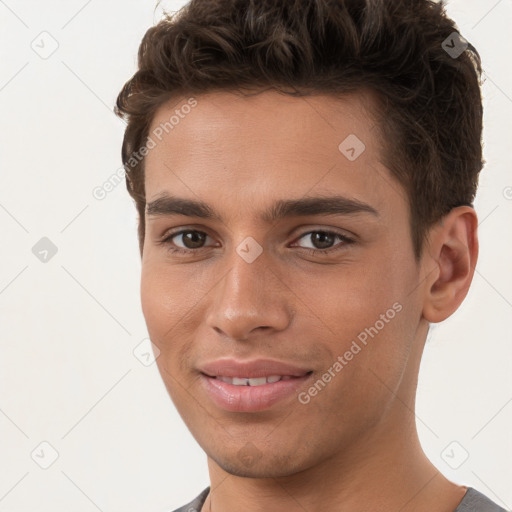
(451, 256)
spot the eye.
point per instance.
(191, 239)
(322, 241)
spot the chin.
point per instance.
(265, 466)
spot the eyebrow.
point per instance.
(168, 205)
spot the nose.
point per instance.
(250, 299)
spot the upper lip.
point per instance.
(251, 369)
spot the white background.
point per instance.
(68, 327)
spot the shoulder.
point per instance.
(475, 501)
(196, 504)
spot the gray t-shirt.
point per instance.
(473, 501)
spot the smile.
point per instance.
(258, 381)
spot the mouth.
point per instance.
(255, 381)
(256, 392)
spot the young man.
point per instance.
(304, 173)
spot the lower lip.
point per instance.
(250, 398)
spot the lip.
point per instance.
(251, 398)
(251, 369)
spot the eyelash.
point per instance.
(178, 250)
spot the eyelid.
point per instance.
(332, 230)
(171, 234)
(183, 229)
(345, 240)
(325, 229)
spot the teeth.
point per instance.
(258, 381)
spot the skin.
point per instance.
(354, 446)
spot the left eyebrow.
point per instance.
(331, 205)
(168, 205)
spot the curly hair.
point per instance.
(429, 99)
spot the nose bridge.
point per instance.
(249, 296)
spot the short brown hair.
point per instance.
(430, 106)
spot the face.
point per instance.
(301, 255)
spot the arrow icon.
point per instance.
(44, 44)
(351, 147)
(249, 249)
(146, 352)
(454, 45)
(44, 250)
(44, 455)
(455, 455)
(451, 454)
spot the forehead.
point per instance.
(266, 145)
(310, 122)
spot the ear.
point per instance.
(449, 261)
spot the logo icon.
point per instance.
(352, 147)
(44, 455)
(249, 249)
(45, 45)
(44, 250)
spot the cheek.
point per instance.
(166, 292)
(166, 305)
(163, 302)
(356, 298)
(172, 299)
(154, 300)
(371, 318)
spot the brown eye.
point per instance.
(191, 241)
(324, 241)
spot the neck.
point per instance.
(382, 472)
